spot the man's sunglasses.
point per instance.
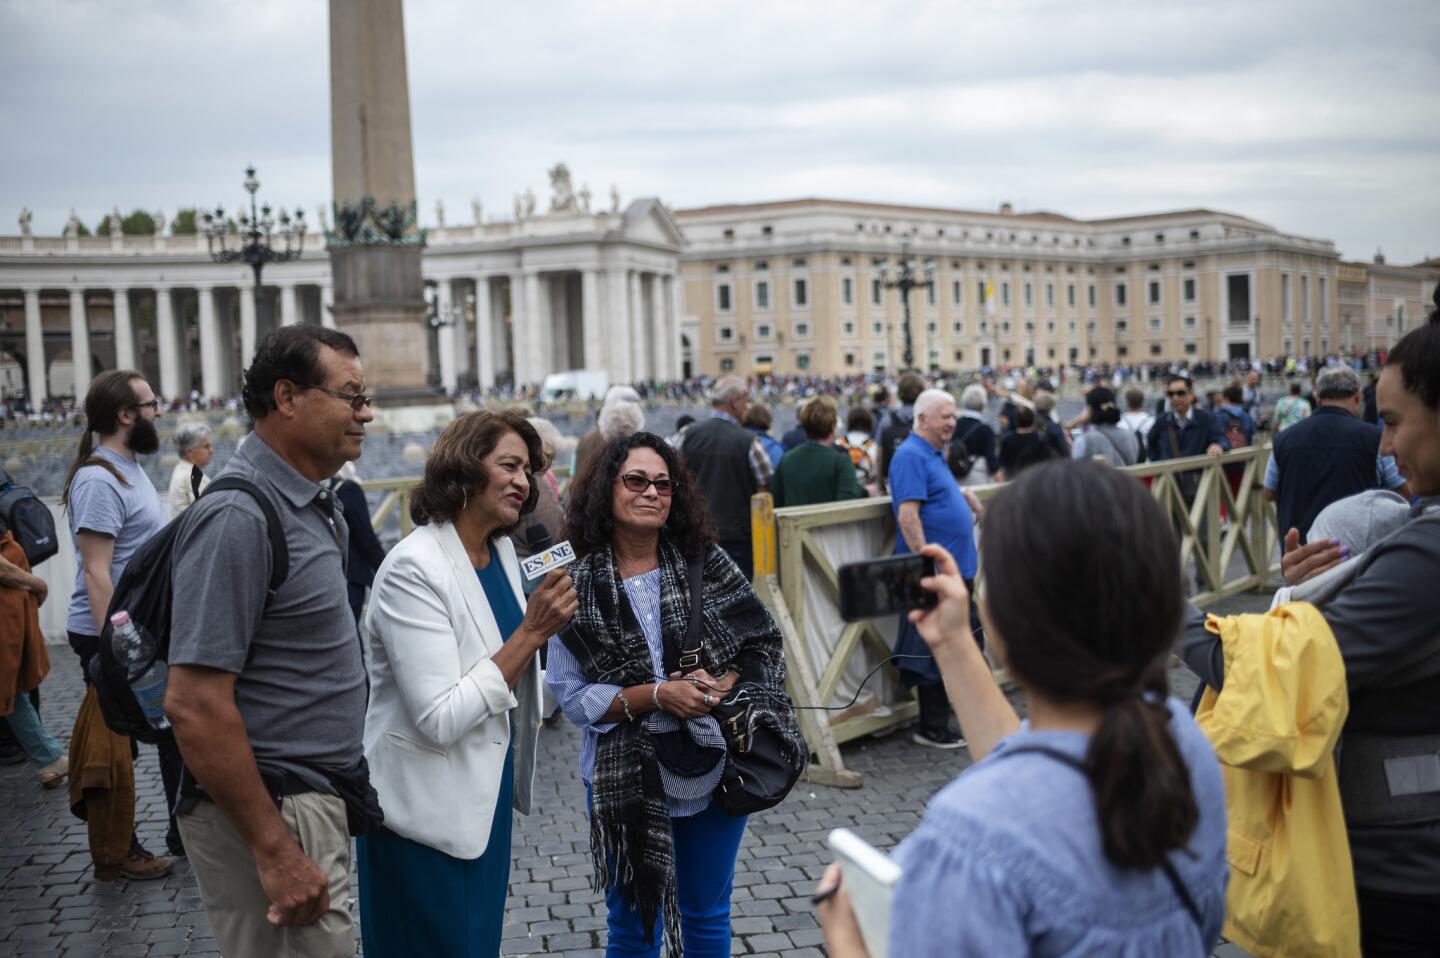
(1177, 393)
(638, 483)
(357, 401)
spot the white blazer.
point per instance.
(440, 715)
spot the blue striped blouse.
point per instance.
(584, 702)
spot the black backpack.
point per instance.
(145, 591)
(957, 454)
(28, 520)
(895, 431)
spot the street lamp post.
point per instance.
(905, 280)
(257, 237)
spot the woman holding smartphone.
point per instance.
(1097, 825)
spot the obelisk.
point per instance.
(375, 243)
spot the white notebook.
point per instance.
(870, 877)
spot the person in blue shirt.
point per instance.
(758, 420)
(930, 506)
(1097, 825)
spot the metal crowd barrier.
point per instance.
(797, 552)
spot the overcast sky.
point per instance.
(1319, 117)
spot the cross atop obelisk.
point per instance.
(375, 244)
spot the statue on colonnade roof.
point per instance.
(25, 215)
(563, 198)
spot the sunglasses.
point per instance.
(1177, 393)
(635, 482)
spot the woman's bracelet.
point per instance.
(624, 705)
(655, 695)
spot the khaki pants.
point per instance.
(230, 883)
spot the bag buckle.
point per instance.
(689, 660)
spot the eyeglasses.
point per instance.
(1177, 393)
(357, 401)
(638, 483)
(152, 404)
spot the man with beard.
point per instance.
(113, 508)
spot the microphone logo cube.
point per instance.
(542, 563)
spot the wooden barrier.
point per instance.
(788, 545)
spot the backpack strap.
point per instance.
(1166, 866)
(279, 550)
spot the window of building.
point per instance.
(1007, 355)
(762, 294)
(1190, 349)
(1091, 295)
(722, 267)
(729, 234)
(1154, 289)
(1026, 267)
(877, 292)
(1305, 316)
(956, 292)
(1159, 237)
(1289, 346)
(1155, 349)
(1122, 292)
(1005, 326)
(1122, 350)
(849, 359)
(847, 291)
(1187, 289)
(1070, 295)
(1188, 322)
(1237, 294)
(1285, 298)
(1050, 326)
(727, 365)
(932, 327)
(1324, 306)
(930, 295)
(1071, 325)
(1074, 354)
(801, 293)
(844, 261)
(1188, 264)
(1194, 234)
(802, 361)
(1005, 294)
(877, 360)
(848, 327)
(762, 331)
(725, 334)
(1121, 325)
(1155, 323)
(1050, 353)
(958, 327)
(765, 360)
(802, 330)
(1124, 241)
(798, 262)
(1154, 267)
(1120, 270)
(767, 231)
(761, 265)
(959, 355)
(877, 328)
(722, 297)
(1049, 294)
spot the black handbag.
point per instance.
(757, 773)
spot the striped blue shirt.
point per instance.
(584, 702)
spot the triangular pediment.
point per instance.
(647, 220)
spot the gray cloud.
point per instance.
(1318, 117)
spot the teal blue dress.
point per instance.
(417, 900)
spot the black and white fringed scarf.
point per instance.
(630, 838)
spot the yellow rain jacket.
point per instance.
(1274, 728)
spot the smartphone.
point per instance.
(879, 587)
(870, 877)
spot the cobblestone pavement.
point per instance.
(50, 905)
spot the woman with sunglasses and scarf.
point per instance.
(651, 752)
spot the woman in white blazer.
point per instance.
(454, 696)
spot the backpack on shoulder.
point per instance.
(145, 591)
(28, 520)
(1234, 430)
(859, 453)
(957, 455)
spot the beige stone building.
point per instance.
(1380, 302)
(795, 287)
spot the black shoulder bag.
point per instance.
(757, 774)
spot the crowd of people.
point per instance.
(321, 689)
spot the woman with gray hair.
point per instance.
(192, 442)
(620, 419)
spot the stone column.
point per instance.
(617, 319)
(444, 336)
(460, 334)
(327, 302)
(124, 330)
(289, 306)
(521, 318)
(79, 343)
(653, 324)
(247, 324)
(673, 310)
(170, 385)
(35, 364)
(485, 364)
(212, 369)
(559, 358)
(590, 319)
(638, 333)
(537, 330)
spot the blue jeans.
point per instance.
(39, 744)
(705, 848)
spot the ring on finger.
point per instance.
(709, 700)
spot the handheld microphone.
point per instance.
(546, 557)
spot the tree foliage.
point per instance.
(138, 223)
(185, 222)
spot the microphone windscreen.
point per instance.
(538, 538)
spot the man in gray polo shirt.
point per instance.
(268, 701)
